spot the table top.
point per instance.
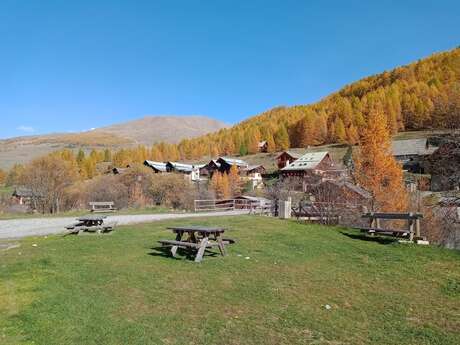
(91, 218)
(202, 229)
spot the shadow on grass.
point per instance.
(182, 253)
(363, 237)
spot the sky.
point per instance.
(74, 65)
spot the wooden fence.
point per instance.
(252, 206)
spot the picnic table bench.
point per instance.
(102, 206)
(90, 223)
(197, 238)
(413, 224)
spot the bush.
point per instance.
(172, 190)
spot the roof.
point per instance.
(253, 167)
(411, 147)
(156, 165)
(23, 192)
(262, 143)
(187, 168)
(234, 161)
(308, 161)
(353, 187)
(290, 153)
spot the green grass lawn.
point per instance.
(115, 289)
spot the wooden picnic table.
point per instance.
(90, 223)
(198, 238)
(412, 230)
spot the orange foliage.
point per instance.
(376, 169)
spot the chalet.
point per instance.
(286, 158)
(411, 153)
(263, 146)
(313, 168)
(226, 164)
(193, 171)
(341, 192)
(208, 169)
(157, 167)
(23, 195)
(253, 173)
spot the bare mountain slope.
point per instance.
(170, 129)
(148, 130)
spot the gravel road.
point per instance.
(18, 228)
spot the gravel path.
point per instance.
(18, 228)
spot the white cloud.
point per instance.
(27, 129)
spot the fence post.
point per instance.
(285, 209)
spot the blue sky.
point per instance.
(73, 65)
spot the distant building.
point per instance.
(411, 153)
(313, 168)
(157, 167)
(226, 164)
(286, 158)
(192, 171)
(263, 146)
(253, 173)
(23, 195)
(341, 192)
(208, 169)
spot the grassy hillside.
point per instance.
(273, 288)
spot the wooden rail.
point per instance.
(253, 206)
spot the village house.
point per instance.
(286, 158)
(189, 170)
(226, 164)
(313, 168)
(341, 192)
(253, 173)
(22, 196)
(411, 154)
(157, 167)
(208, 169)
(263, 146)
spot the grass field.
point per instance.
(116, 289)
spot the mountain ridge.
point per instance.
(147, 130)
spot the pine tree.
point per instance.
(376, 169)
(340, 132)
(80, 156)
(107, 155)
(243, 149)
(234, 181)
(282, 138)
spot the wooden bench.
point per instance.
(102, 206)
(412, 230)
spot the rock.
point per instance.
(328, 307)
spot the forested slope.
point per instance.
(421, 95)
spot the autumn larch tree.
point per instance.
(376, 169)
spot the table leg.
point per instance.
(174, 248)
(203, 244)
(221, 245)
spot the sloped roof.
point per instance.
(181, 166)
(290, 153)
(411, 147)
(234, 161)
(253, 167)
(156, 165)
(355, 188)
(308, 161)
